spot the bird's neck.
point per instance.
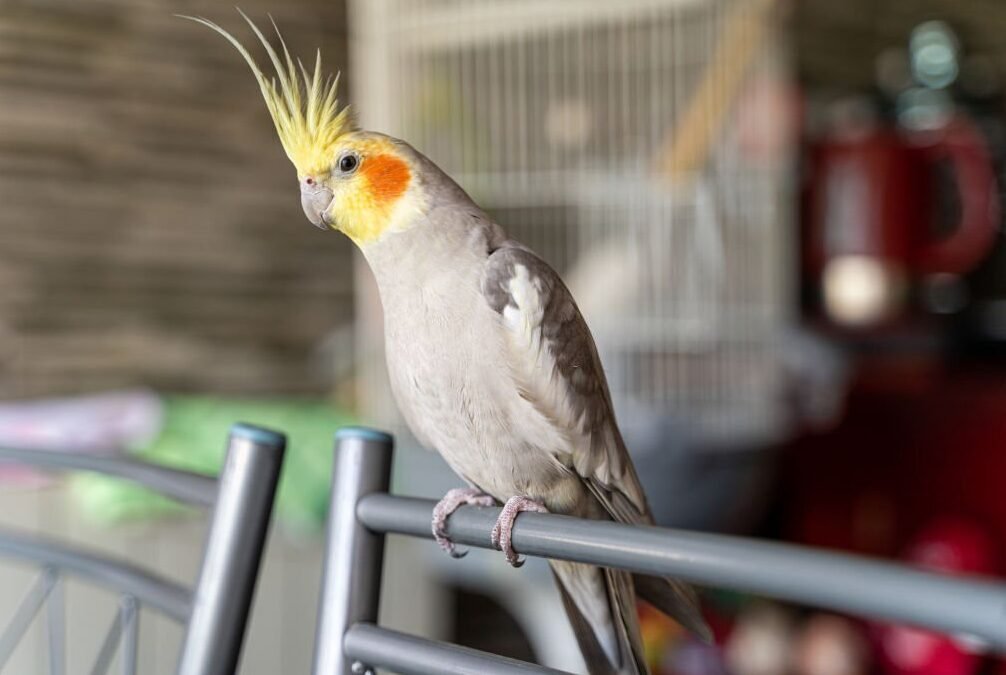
(443, 246)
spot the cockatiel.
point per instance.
(490, 361)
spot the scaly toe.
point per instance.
(448, 505)
(503, 529)
(512, 556)
(482, 500)
(448, 546)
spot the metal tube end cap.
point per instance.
(364, 434)
(259, 435)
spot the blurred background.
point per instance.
(781, 219)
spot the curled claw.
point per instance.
(502, 531)
(448, 546)
(453, 500)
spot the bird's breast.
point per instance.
(449, 374)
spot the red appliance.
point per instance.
(879, 206)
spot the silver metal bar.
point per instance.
(234, 548)
(130, 613)
(111, 642)
(23, 615)
(56, 628)
(185, 486)
(410, 655)
(858, 585)
(157, 592)
(351, 580)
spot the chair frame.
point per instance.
(349, 641)
(215, 610)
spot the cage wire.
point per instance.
(637, 147)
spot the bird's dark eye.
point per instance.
(348, 163)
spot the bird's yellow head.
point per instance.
(357, 182)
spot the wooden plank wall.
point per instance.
(150, 225)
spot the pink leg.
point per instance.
(453, 500)
(503, 529)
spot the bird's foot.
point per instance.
(503, 529)
(451, 502)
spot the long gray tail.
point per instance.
(676, 599)
(601, 605)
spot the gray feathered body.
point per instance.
(492, 366)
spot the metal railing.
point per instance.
(349, 641)
(215, 611)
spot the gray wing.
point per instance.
(555, 365)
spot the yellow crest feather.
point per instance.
(304, 108)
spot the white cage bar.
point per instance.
(630, 145)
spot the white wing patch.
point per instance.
(532, 353)
(524, 317)
(555, 367)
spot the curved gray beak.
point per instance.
(316, 200)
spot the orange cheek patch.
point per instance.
(387, 177)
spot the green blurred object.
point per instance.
(194, 438)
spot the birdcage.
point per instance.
(641, 148)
